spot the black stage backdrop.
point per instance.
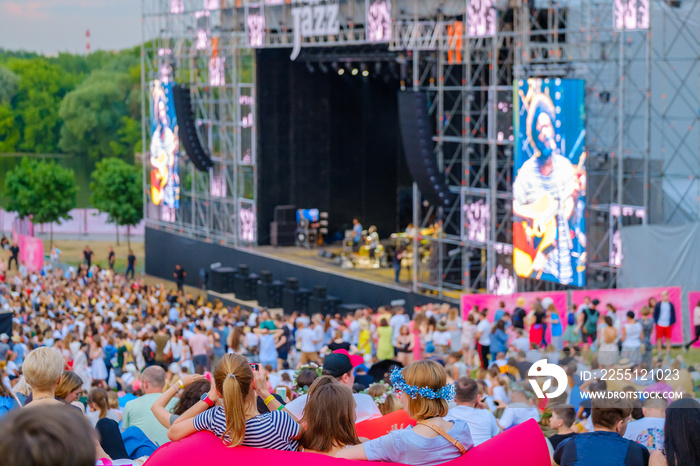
(329, 142)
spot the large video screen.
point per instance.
(549, 187)
(165, 182)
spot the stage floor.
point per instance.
(310, 258)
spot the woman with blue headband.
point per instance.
(424, 392)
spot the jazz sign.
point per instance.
(312, 18)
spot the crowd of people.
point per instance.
(143, 365)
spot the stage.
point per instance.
(372, 287)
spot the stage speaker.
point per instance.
(417, 137)
(243, 269)
(318, 306)
(275, 297)
(319, 292)
(295, 300)
(243, 286)
(292, 283)
(187, 130)
(282, 234)
(266, 276)
(221, 279)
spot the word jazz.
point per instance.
(312, 19)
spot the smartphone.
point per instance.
(282, 392)
(254, 366)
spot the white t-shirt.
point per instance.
(396, 322)
(482, 423)
(441, 338)
(696, 316)
(648, 432)
(307, 337)
(485, 328)
(365, 407)
(664, 315)
(517, 413)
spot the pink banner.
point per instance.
(31, 253)
(491, 302)
(693, 302)
(633, 299)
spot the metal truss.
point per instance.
(641, 100)
(188, 43)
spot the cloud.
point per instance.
(28, 10)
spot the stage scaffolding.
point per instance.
(641, 103)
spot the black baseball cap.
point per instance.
(337, 364)
(595, 302)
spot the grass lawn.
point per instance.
(72, 252)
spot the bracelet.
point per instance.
(268, 399)
(281, 407)
(182, 385)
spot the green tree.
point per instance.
(41, 190)
(117, 190)
(9, 133)
(8, 85)
(92, 117)
(39, 93)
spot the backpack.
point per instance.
(591, 322)
(148, 354)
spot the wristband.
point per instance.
(182, 385)
(280, 408)
(205, 398)
(268, 399)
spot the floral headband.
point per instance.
(446, 393)
(381, 399)
(305, 389)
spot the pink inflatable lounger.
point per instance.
(522, 445)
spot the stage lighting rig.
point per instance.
(355, 71)
(365, 71)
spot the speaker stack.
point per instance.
(244, 282)
(417, 137)
(269, 292)
(283, 228)
(320, 302)
(187, 129)
(294, 298)
(221, 279)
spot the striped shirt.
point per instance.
(276, 430)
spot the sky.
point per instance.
(52, 26)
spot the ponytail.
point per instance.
(233, 378)
(234, 410)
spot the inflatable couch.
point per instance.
(523, 445)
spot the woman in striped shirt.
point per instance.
(237, 421)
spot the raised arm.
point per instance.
(159, 406)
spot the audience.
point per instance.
(137, 413)
(482, 423)
(605, 445)
(424, 394)
(52, 436)
(237, 421)
(563, 417)
(681, 446)
(323, 433)
(649, 430)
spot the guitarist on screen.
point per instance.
(545, 192)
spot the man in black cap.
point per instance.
(341, 365)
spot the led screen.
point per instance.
(481, 18)
(165, 182)
(378, 20)
(549, 187)
(631, 14)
